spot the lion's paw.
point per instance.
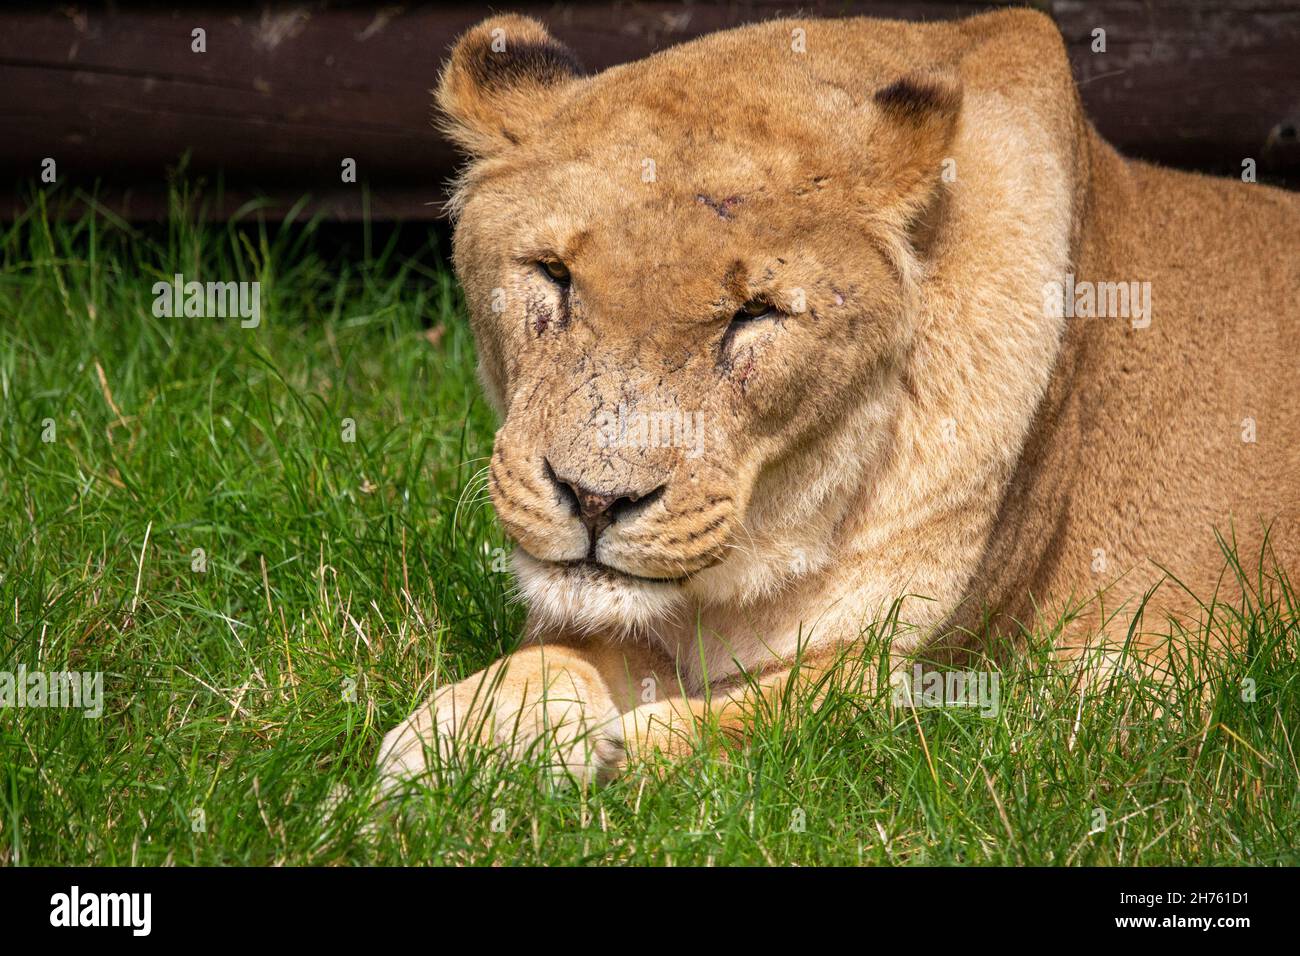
(567, 724)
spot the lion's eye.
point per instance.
(556, 271)
(753, 309)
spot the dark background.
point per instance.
(285, 91)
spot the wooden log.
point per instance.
(284, 93)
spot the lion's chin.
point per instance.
(586, 599)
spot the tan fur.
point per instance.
(916, 424)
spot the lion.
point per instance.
(803, 324)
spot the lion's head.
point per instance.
(689, 280)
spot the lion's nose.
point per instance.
(594, 507)
(597, 510)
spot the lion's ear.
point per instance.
(499, 80)
(916, 121)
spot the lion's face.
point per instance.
(672, 302)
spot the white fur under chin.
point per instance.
(586, 600)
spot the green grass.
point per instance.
(333, 565)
